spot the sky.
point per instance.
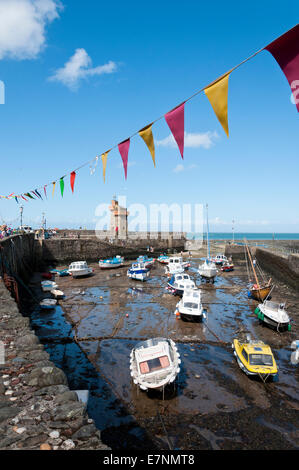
(80, 77)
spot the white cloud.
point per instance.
(22, 26)
(79, 67)
(178, 168)
(192, 140)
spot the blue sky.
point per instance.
(138, 62)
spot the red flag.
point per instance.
(73, 177)
(175, 121)
(123, 148)
(285, 51)
(45, 191)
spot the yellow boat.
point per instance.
(255, 358)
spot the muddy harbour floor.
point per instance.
(213, 405)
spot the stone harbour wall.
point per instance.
(37, 408)
(283, 268)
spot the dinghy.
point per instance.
(48, 303)
(58, 294)
(259, 290)
(138, 271)
(109, 263)
(273, 314)
(190, 307)
(154, 363)
(220, 259)
(63, 272)
(255, 358)
(79, 268)
(227, 266)
(47, 286)
(163, 259)
(148, 262)
(179, 282)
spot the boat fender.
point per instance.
(289, 327)
(257, 311)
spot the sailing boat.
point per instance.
(259, 291)
(208, 269)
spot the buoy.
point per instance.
(127, 314)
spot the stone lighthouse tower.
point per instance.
(118, 220)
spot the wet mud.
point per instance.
(213, 404)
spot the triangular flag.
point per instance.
(175, 121)
(147, 135)
(217, 96)
(29, 195)
(54, 183)
(123, 148)
(72, 180)
(38, 194)
(104, 161)
(45, 191)
(23, 198)
(61, 186)
(285, 51)
(16, 199)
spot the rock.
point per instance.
(45, 447)
(68, 411)
(68, 444)
(52, 390)
(8, 412)
(54, 434)
(19, 430)
(26, 341)
(66, 396)
(46, 376)
(85, 432)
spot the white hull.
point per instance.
(47, 286)
(81, 272)
(138, 276)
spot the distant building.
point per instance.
(118, 220)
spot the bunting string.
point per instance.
(285, 50)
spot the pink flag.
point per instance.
(285, 51)
(175, 121)
(123, 148)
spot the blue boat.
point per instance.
(163, 259)
(148, 262)
(138, 271)
(115, 262)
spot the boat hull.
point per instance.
(261, 293)
(191, 317)
(269, 321)
(84, 272)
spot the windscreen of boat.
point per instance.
(190, 305)
(272, 305)
(186, 276)
(260, 360)
(153, 365)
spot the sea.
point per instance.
(242, 235)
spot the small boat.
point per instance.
(47, 276)
(175, 265)
(227, 266)
(255, 358)
(138, 271)
(63, 272)
(109, 263)
(58, 294)
(220, 259)
(79, 268)
(48, 303)
(163, 259)
(273, 314)
(179, 282)
(190, 307)
(154, 363)
(47, 286)
(258, 291)
(148, 262)
(295, 353)
(208, 270)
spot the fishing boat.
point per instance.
(48, 303)
(259, 290)
(58, 294)
(175, 265)
(190, 307)
(79, 268)
(220, 259)
(138, 271)
(154, 363)
(273, 314)
(179, 282)
(255, 358)
(227, 266)
(109, 263)
(47, 286)
(148, 262)
(208, 269)
(163, 259)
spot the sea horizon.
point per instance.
(242, 235)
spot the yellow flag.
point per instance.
(104, 161)
(147, 136)
(54, 182)
(217, 95)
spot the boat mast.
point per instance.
(253, 269)
(208, 241)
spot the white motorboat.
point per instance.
(48, 303)
(58, 294)
(207, 270)
(47, 286)
(175, 265)
(154, 363)
(220, 259)
(179, 282)
(273, 314)
(79, 268)
(138, 271)
(190, 307)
